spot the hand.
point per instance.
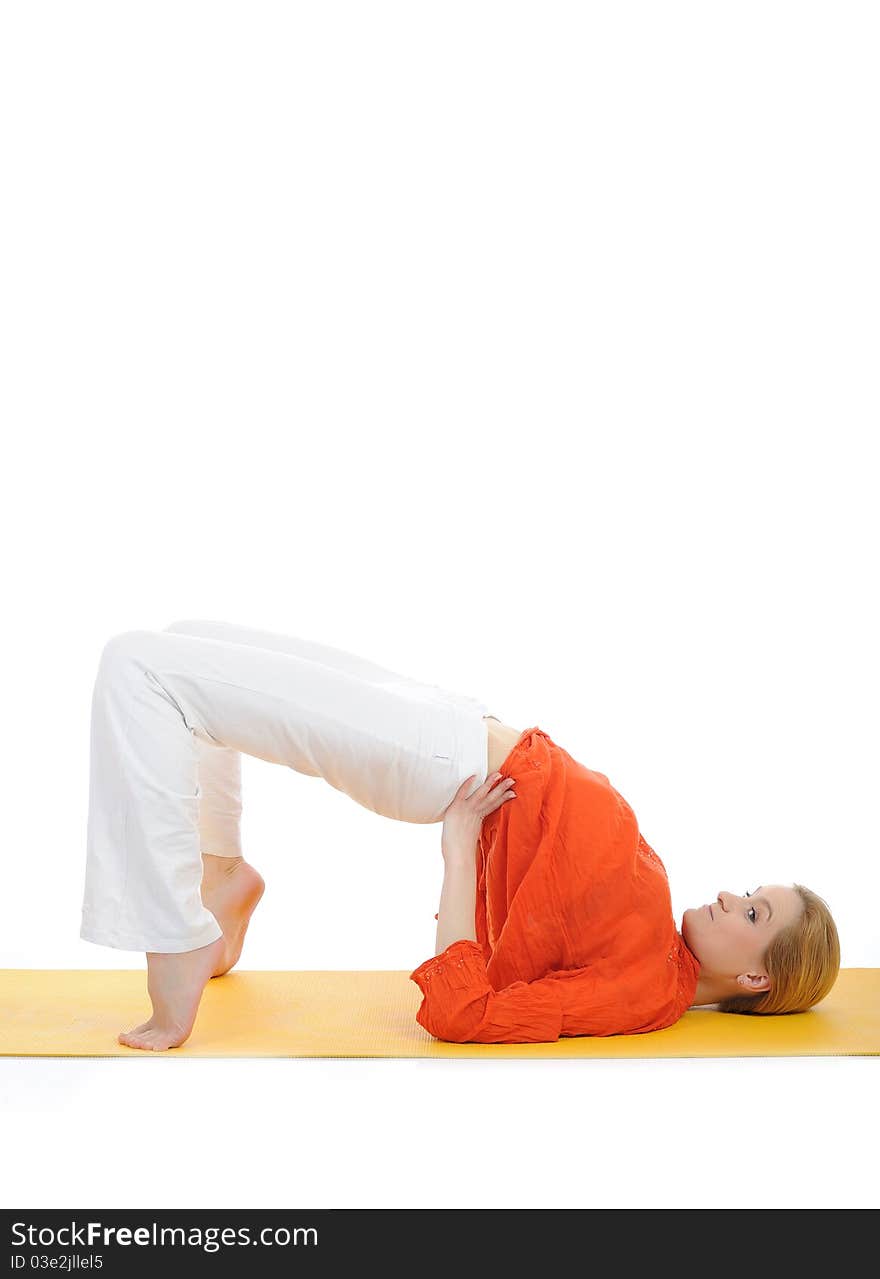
(464, 816)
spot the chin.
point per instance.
(686, 922)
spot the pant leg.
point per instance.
(398, 747)
(219, 767)
(143, 865)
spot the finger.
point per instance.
(490, 782)
(498, 790)
(500, 795)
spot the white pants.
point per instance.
(171, 712)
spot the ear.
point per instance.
(754, 982)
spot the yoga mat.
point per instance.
(329, 1013)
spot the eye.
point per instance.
(751, 911)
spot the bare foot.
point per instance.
(231, 890)
(175, 983)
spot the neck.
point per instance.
(711, 988)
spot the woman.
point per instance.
(555, 915)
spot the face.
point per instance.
(730, 935)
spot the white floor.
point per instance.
(159, 1132)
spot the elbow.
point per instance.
(461, 1028)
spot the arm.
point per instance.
(458, 898)
(459, 1002)
(462, 822)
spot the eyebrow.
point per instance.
(766, 903)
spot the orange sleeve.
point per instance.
(461, 1006)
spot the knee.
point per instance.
(122, 648)
(189, 626)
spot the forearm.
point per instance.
(458, 899)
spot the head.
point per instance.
(774, 950)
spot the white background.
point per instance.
(528, 349)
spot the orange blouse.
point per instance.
(574, 924)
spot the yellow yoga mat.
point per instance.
(79, 1012)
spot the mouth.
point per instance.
(709, 908)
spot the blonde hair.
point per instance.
(802, 963)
